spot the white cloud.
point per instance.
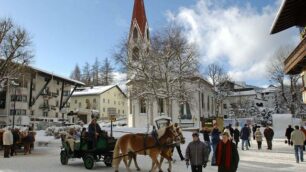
(238, 36)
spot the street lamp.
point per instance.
(13, 83)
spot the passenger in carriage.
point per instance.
(94, 131)
(70, 139)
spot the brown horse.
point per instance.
(142, 144)
(27, 139)
(166, 151)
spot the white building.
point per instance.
(141, 112)
(102, 100)
(38, 94)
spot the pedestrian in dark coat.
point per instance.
(236, 136)
(269, 134)
(93, 133)
(206, 138)
(231, 129)
(245, 134)
(196, 154)
(16, 138)
(227, 156)
(288, 134)
(215, 138)
(254, 130)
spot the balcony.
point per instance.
(296, 61)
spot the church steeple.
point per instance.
(139, 17)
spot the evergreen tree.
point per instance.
(95, 73)
(76, 73)
(86, 75)
(107, 73)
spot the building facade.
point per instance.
(37, 94)
(293, 13)
(102, 100)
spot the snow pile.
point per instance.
(57, 131)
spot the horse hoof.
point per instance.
(138, 169)
(169, 170)
(160, 171)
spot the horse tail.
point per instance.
(116, 158)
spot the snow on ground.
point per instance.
(280, 159)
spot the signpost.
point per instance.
(112, 118)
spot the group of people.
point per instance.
(11, 137)
(225, 154)
(296, 137)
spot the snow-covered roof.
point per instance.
(56, 75)
(270, 89)
(96, 90)
(244, 93)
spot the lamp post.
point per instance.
(13, 83)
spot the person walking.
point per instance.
(206, 138)
(196, 154)
(304, 131)
(16, 138)
(7, 142)
(254, 129)
(215, 138)
(177, 145)
(236, 136)
(298, 138)
(245, 134)
(258, 137)
(231, 129)
(288, 134)
(227, 156)
(269, 134)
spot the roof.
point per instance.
(51, 74)
(96, 90)
(243, 93)
(139, 14)
(291, 13)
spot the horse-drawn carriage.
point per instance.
(102, 152)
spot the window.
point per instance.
(75, 101)
(45, 114)
(123, 112)
(203, 102)
(57, 92)
(135, 34)
(135, 54)
(58, 82)
(87, 104)
(94, 101)
(161, 105)
(131, 108)
(118, 103)
(108, 101)
(208, 103)
(56, 115)
(66, 93)
(32, 113)
(114, 102)
(18, 112)
(56, 103)
(103, 109)
(142, 103)
(103, 100)
(119, 112)
(224, 106)
(80, 104)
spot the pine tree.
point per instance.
(107, 73)
(95, 73)
(76, 73)
(86, 75)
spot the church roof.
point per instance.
(139, 14)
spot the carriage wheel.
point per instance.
(89, 161)
(108, 160)
(64, 158)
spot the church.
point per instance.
(142, 113)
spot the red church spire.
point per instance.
(139, 14)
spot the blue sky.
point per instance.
(69, 32)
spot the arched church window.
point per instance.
(135, 34)
(148, 34)
(135, 55)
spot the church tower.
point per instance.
(138, 45)
(139, 36)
